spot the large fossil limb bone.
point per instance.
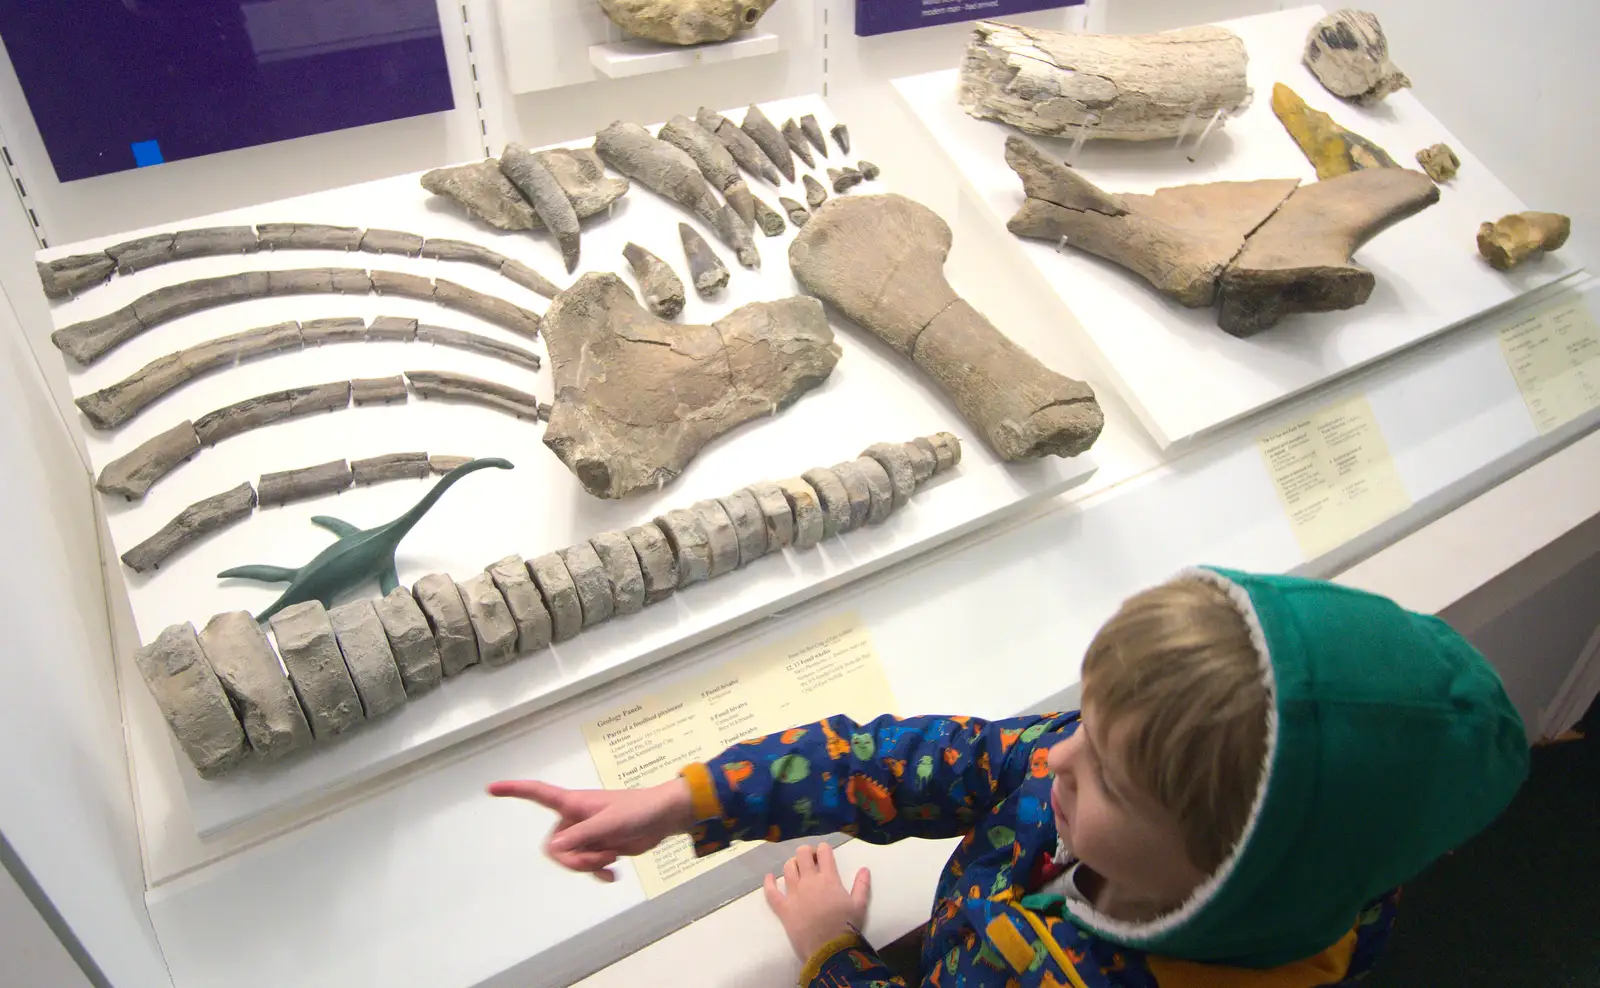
(1129, 88)
(631, 150)
(637, 398)
(538, 185)
(685, 22)
(1349, 55)
(880, 259)
(1299, 261)
(1512, 239)
(1178, 239)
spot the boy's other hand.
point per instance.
(597, 826)
(813, 905)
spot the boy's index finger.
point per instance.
(829, 867)
(546, 795)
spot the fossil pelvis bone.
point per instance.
(637, 397)
(880, 259)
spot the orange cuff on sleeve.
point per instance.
(813, 968)
(702, 792)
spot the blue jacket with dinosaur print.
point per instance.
(987, 783)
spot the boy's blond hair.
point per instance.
(1176, 674)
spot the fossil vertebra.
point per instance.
(192, 700)
(1112, 87)
(637, 398)
(1513, 239)
(880, 260)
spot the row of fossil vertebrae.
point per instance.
(231, 697)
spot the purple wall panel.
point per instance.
(120, 84)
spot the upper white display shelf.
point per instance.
(1181, 374)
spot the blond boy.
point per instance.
(1259, 763)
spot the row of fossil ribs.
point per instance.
(225, 695)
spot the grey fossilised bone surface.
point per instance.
(769, 140)
(286, 486)
(192, 524)
(706, 269)
(798, 214)
(367, 657)
(843, 179)
(744, 150)
(797, 143)
(662, 288)
(770, 220)
(539, 186)
(485, 192)
(460, 387)
(88, 341)
(813, 132)
(841, 137)
(816, 195)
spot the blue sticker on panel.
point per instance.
(102, 76)
(147, 153)
(883, 16)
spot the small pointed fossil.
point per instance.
(744, 150)
(1513, 239)
(769, 140)
(798, 214)
(813, 132)
(770, 220)
(816, 195)
(662, 288)
(539, 186)
(843, 179)
(1331, 148)
(710, 155)
(841, 137)
(706, 269)
(869, 171)
(797, 142)
(742, 201)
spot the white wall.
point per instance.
(1513, 81)
(33, 955)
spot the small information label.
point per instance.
(1334, 475)
(1554, 354)
(830, 669)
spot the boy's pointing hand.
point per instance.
(597, 826)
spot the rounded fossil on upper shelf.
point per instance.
(1349, 54)
(685, 22)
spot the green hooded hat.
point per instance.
(1390, 742)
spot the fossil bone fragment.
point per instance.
(797, 143)
(286, 486)
(416, 654)
(460, 387)
(360, 555)
(816, 195)
(1178, 239)
(133, 473)
(770, 220)
(1349, 55)
(440, 601)
(389, 466)
(868, 170)
(539, 186)
(560, 595)
(706, 269)
(528, 278)
(1127, 88)
(1513, 239)
(657, 565)
(378, 390)
(621, 564)
(769, 140)
(248, 669)
(662, 288)
(590, 580)
(307, 236)
(669, 171)
(843, 179)
(1440, 162)
(813, 132)
(1331, 148)
(485, 192)
(310, 652)
(392, 329)
(71, 275)
(441, 464)
(445, 249)
(637, 398)
(192, 700)
(474, 343)
(739, 144)
(368, 657)
(391, 242)
(1299, 261)
(197, 521)
(685, 22)
(487, 307)
(880, 259)
(269, 409)
(583, 177)
(510, 576)
(492, 623)
(343, 329)
(798, 214)
(841, 137)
